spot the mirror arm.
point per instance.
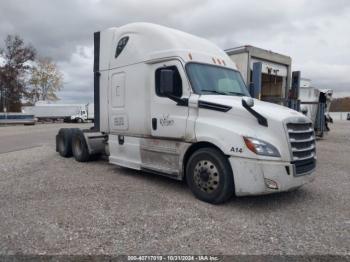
(261, 119)
(180, 101)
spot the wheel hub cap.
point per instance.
(206, 176)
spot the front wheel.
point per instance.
(209, 176)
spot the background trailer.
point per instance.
(267, 74)
(68, 112)
(270, 78)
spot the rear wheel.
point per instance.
(209, 176)
(64, 142)
(79, 147)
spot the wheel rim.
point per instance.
(206, 176)
(78, 146)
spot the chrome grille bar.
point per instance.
(302, 142)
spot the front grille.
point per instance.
(302, 142)
(303, 166)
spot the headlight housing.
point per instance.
(261, 147)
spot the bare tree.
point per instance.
(46, 80)
(13, 86)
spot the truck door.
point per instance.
(170, 92)
(117, 117)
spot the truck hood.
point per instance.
(232, 125)
(268, 110)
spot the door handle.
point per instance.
(154, 123)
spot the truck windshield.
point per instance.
(210, 79)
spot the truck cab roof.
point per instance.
(146, 42)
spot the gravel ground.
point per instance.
(53, 205)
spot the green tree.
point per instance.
(46, 79)
(17, 58)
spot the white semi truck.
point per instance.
(175, 104)
(78, 113)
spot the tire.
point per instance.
(64, 142)
(79, 147)
(209, 176)
(79, 120)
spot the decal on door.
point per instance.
(165, 120)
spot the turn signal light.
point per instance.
(250, 145)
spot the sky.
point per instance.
(315, 33)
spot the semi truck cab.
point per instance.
(171, 103)
(80, 117)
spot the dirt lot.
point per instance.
(52, 205)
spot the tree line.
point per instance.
(25, 77)
(340, 105)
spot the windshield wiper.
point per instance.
(214, 91)
(236, 93)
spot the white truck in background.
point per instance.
(85, 114)
(175, 104)
(315, 104)
(76, 113)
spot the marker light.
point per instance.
(261, 147)
(190, 56)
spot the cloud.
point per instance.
(312, 32)
(78, 76)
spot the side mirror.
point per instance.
(166, 82)
(304, 109)
(248, 101)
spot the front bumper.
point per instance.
(250, 176)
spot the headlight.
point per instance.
(261, 147)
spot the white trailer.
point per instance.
(90, 111)
(69, 112)
(315, 104)
(268, 74)
(16, 118)
(175, 104)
